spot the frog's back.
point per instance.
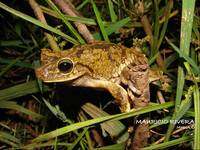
(105, 60)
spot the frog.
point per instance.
(122, 71)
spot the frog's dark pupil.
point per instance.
(65, 66)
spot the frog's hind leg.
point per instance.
(117, 91)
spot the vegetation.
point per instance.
(37, 115)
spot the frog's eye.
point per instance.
(65, 65)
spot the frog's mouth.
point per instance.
(49, 77)
(64, 78)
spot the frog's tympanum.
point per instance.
(120, 70)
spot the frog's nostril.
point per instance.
(65, 66)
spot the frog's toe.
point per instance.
(133, 88)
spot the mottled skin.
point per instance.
(120, 70)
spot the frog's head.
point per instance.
(57, 67)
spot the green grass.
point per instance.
(24, 97)
(38, 23)
(64, 19)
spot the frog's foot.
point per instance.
(137, 102)
(117, 91)
(157, 77)
(133, 88)
(130, 94)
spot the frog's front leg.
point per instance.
(117, 91)
(136, 79)
(120, 95)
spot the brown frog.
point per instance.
(101, 65)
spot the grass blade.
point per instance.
(185, 105)
(186, 30)
(63, 17)
(79, 125)
(15, 106)
(5, 69)
(82, 4)
(99, 21)
(197, 116)
(17, 63)
(113, 27)
(169, 143)
(87, 21)
(186, 25)
(186, 57)
(157, 28)
(113, 16)
(164, 28)
(119, 146)
(9, 139)
(78, 139)
(20, 90)
(38, 23)
(115, 128)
